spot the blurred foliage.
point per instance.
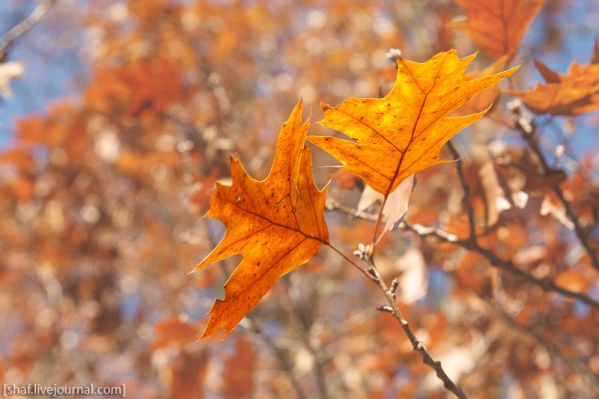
(102, 192)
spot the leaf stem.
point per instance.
(351, 261)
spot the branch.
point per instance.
(466, 189)
(333, 205)
(25, 25)
(374, 275)
(418, 346)
(576, 365)
(506, 265)
(529, 133)
(280, 355)
(495, 261)
(306, 321)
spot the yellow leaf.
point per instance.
(403, 132)
(277, 224)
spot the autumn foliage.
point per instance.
(443, 208)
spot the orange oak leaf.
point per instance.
(277, 224)
(572, 94)
(498, 26)
(403, 132)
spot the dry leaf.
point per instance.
(498, 26)
(403, 132)
(413, 282)
(396, 205)
(495, 198)
(188, 375)
(277, 224)
(557, 211)
(8, 72)
(572, 94)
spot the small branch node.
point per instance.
(385, 308)
(394, 286)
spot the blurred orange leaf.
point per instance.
(277, 224)
(571, 94)
(188, 375)
(174, 331)
(18, 158)
(239, 370)
(573, 280)
(498, 26)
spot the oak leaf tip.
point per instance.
(299, 106)
(212, 335)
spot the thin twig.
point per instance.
(25, 25)
(503, 264)
(393, 309)
(332, 205)
(495, 261)
(418, 346)
(350, 261)
(280, 355)
(305, 321)
(466, 189)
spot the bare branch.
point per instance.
(280, 355)
(306, 321)
(25, 25)
(418, 346)
(506, 265)
(374, 275)
(333, 205)
(529, 133)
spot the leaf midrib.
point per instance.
(410, 142)
(259, 216)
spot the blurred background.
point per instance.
(116, 118)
